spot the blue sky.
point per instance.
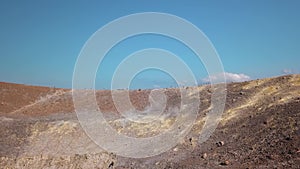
(41, 40)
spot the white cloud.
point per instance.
(290, 71)
(186, 83)
(156, 86)
(230, 77)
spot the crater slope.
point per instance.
(259, 128)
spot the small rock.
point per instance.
(288, 138)
(225, 162)
(111, 165)
(204, 156)
(220, 143)
(175, 149)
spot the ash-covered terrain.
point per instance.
(259, 128)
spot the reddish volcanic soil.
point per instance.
(260, 128)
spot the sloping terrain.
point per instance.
(259, 128)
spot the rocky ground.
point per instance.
(259, 128)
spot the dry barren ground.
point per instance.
(259, 129)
